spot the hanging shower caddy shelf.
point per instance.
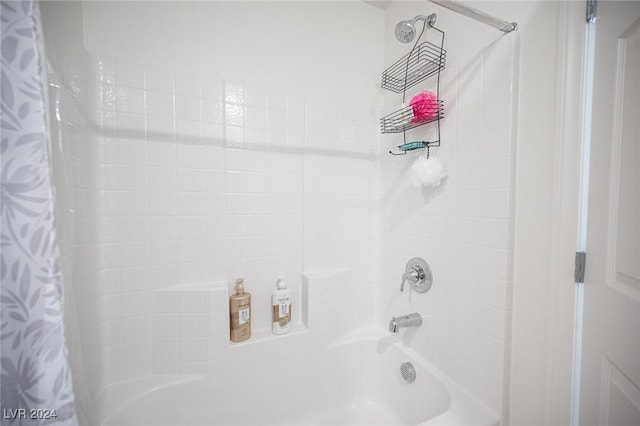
(424, 61)
(403, 119)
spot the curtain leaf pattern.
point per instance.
(35, 377)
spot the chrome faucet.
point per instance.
(410, 320)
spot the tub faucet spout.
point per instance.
(410, 320)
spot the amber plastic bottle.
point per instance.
(240, 313)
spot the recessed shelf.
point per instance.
(264, 336)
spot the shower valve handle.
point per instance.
(414, 276)
(419, 275)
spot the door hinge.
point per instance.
(591, 10)
(581, 259)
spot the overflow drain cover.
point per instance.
(408, 372)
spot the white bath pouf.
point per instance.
(428, 171)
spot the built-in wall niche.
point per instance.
(191, 322)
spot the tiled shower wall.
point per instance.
(464, 228)
(194, 179)
(203, 180)
(191, 179)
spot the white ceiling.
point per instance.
(379, 4)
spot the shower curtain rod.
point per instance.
(503, 26)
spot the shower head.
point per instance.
(406, 30)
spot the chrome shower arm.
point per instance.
(429, 21)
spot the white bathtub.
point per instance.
(355, 380)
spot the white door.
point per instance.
(610, 378)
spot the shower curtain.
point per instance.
(35, 380)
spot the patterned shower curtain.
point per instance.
(35, 380)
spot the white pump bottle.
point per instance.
(281, 308)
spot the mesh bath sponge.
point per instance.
(428, 171)
(425, 106)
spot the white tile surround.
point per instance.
(464, 228)
(186, 180)
(201, 181)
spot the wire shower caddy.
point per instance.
(425, 60)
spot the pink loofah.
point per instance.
(425, 107)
